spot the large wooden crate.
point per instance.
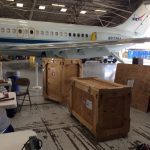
(137, 76)
(103, 107)
(56, 77)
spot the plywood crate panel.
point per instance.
(103, 107)
(56, 78)
(139, 76)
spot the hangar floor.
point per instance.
(58, 130)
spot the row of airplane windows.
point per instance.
(37, 32)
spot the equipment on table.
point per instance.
(143, 147)
(33, 144)
(13, 75)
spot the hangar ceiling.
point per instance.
(109, 12)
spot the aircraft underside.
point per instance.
(74, 53)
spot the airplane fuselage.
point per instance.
(104, 40)
(22, 31)
(32, 34)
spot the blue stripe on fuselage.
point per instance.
(25, 41)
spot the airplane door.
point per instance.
(94, 36)
(31, 32)
(20, 32)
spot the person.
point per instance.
(5, 125)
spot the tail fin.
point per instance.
(139, 21)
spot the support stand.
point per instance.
(1, 71)
(37, 77)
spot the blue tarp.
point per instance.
(145, 54)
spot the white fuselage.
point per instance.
(15, 31)
(22, 31)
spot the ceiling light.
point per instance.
(100, 10)
(82, 12)
(147, 3)
(57, 5)
(10, 0)
(63, 9)
(19, 4)
(42, 7)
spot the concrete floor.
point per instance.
(58, 130)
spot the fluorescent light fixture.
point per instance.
(58, 5)
(147, 3)
(50, 45)
(82, 12)
(19, 4)
(42, 7)
(99, 10)
(63, 9)
(22, 21)
(10, 0)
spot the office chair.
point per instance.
(23, 84)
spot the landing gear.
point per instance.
(114, 60)
(105, 60)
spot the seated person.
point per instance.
(5, 125)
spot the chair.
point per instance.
(23, 84)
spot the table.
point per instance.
(6, 83)
(11, 103)
(15, 140)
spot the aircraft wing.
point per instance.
(72, 49)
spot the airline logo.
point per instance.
(138, 18)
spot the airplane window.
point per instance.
(14, 30)
(65, 33)
(74, 34)
(69, 34)
(42, 32)
(2, 30)
(82, 35)
(8, 30)
(56, 33)
(31, 32)
(37, 32)
(26, 31)
(78, 34)
(47, 33)
(86, 35)
(20, 31)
